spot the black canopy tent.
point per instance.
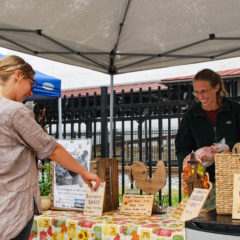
(119, 36)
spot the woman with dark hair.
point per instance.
(213, 119)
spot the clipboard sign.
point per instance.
(137, 205)
(94, 201)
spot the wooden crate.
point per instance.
(107, 169)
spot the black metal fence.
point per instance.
(145, 124)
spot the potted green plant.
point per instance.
(45, 186)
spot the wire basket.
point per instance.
(226, 164)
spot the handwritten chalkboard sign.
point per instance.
(94, 201)
(195, 204)
(137, 205)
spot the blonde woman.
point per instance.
(21, 138)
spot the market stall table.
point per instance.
(213, 226)
(61, 225)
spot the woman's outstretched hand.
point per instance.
(89, 177)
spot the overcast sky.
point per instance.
(75, 77)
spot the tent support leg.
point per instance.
(60, 118)
(111, 118)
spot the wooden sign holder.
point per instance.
(107, 170)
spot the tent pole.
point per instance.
(60, 118)
(111, 117)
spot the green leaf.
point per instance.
(45, 180)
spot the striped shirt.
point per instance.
(21, 138)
